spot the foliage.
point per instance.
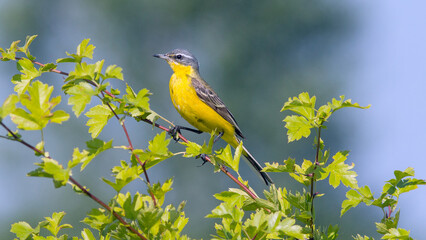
(241, 214)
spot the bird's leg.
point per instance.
(203, 156)
(218, 137)
(175, 131)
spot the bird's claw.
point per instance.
(203, 157)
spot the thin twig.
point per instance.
(96, 199)
(313, 180)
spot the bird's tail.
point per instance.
(256, 166)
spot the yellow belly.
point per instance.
(196, 112)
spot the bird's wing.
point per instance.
(209, 97)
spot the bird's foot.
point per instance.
(175, 131)
(203, 157)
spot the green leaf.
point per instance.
(59, 116)
(9, 106)
(28, 73)
(59, 174)
(159, 145)
(231, 197)
(123, 174)
(84, 71)
(288, 227)
(40, 106)
(160, 190)
(25, 121)
(342, 103)
(84, 50)
(138, 104)
(54, 223)
(303, 105)
(339, 172)
(298, 127)
(113, 71)
(94, 147)
(10, 53)
(87, 234)
(355, 197)
(359, 237)
(81, 94)
(225, 155)
(48, 67)
(22, 230)
(289, 166)
(227, 210)
(157, 151)
(25, 49)
(98, 118)
(400, 234)
(97, 219)
(80, 157)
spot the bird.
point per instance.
(201, 107)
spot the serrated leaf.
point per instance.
(159, 145)
(298, 127)
(87, 234)
(288, 227)
(138, 104)
(113, 71)
(339, 172)
(54, 223)
(28, 73)
(289, 166)
(94, 147)
(10, 53)
(58, 173)
(303, 105)
(9, 105)
(81, 94)
(40, 106)
(25, 48)
(123, 174)
(48, 67)
(98, 118)
(59, 116)
(400, 234)
(84, 49)
(225, 155)
(22, 230)
(24, 120)
(342, 103)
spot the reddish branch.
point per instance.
(127, 225)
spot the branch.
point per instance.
(96, 199)
(313, 180)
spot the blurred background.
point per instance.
(255, 54)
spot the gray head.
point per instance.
(181, 57)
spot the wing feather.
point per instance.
(209, 97)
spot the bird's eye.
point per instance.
(178, 56)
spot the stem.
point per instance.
(96, 199)
(313, 181)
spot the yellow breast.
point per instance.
(195, 111)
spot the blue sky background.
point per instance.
(382, 63)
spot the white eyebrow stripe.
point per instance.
(183, 54)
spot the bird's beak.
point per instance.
(162, 56)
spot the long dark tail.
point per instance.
(256, 166)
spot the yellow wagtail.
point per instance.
(198, 104)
